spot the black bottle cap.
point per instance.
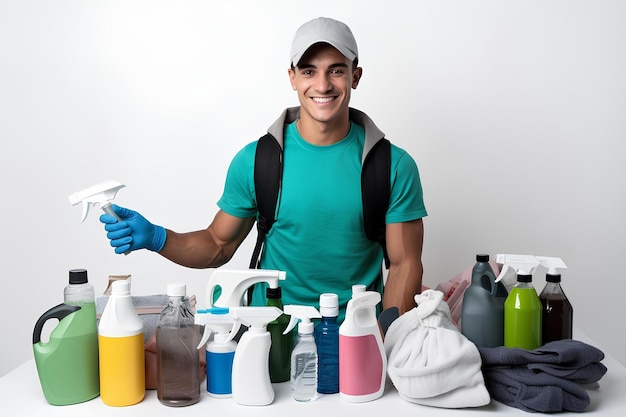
(524, 277)
(482, 257)
(553, 277)
(273, 292)
(78, 276)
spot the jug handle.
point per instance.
(492, 284)
(57, 312)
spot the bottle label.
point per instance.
(122, 369)
(360, 365)
(219, 370)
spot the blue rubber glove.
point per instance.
(132, 232)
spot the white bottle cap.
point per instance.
(305, 327)
(358, 288)
(176, 289)
(329, 305)
(120, 287)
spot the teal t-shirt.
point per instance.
(318, 236)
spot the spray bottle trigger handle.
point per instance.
(205, 336)
(292, 323)
(85, 206)
(234, 330)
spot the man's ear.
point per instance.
(292, 78)
(356, 77)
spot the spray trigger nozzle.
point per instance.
(101, 194)
(303, 314)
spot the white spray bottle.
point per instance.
(362, 358)
(511, 264)
(251, 374)
(220, 351)
(101, 194)
(235, 283)
(304, 353)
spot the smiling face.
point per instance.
(323, 80)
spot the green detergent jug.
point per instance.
(68, 363)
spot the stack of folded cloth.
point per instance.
(549, 379)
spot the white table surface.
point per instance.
(21, 394)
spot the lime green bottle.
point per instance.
(522, 315)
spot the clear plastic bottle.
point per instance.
(327, 341)
(304, 354)
(522, 315)
(557, 318)
(280, 351)
(178, 364)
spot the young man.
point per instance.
(318, 236)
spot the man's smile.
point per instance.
(323, 99)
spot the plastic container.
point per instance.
(282, 344)
(68, 363)
(482, 311)
(522, 315)
(327, 341)
(178, 364)
(362, 359)
(251, 376)
(557, 311)
(121, 345)
(303, 381)
(220, 354)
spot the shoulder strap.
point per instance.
(375, 191)
(268, 172)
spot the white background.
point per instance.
(513, 110)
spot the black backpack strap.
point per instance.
(375, 190)
(268, 170)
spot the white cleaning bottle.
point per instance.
(251, 382)
(120, 341)
(362, 359)
(304, 354)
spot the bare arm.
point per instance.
(211, 247)
(404, 247)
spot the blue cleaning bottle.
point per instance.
(327, 341)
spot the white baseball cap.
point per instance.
(323, 30)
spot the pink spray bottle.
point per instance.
(362, 359)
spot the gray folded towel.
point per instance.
(568, 358)
(547, 379)
(522, 388)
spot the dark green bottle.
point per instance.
(280, 351)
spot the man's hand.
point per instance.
(132, 231)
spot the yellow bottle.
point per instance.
(121, 346)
